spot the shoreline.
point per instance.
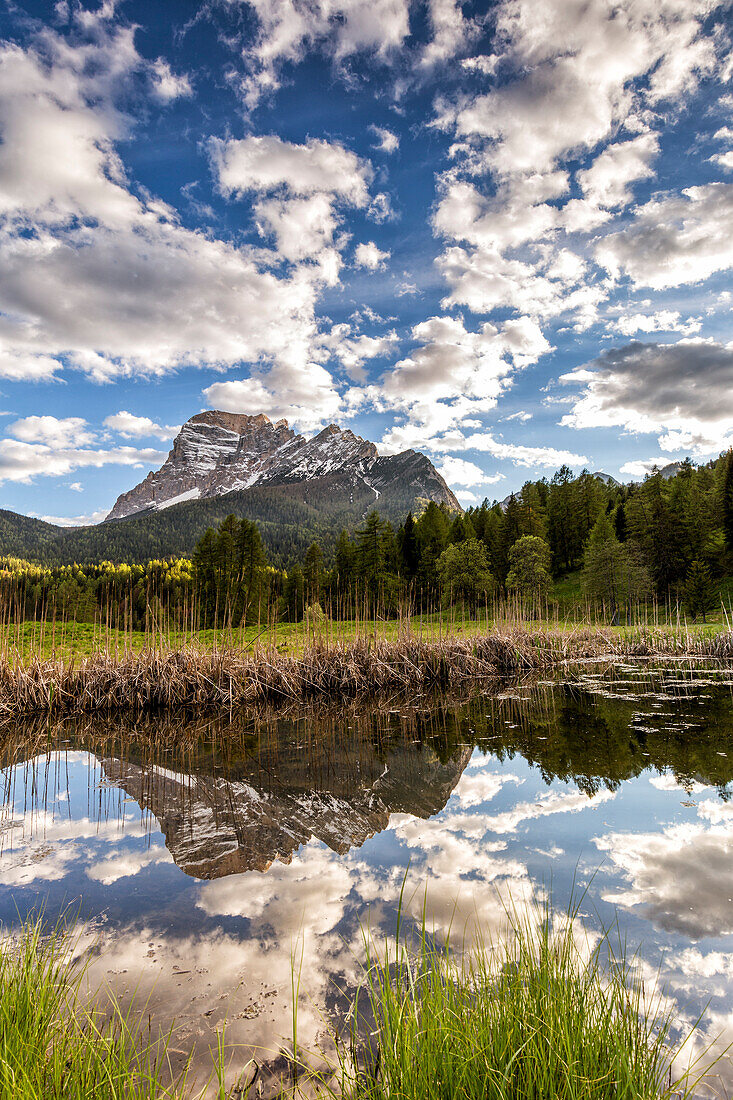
(160, 679)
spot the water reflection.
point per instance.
(209, 853)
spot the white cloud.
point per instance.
(138, 427)
(268, 163)
(453, 376)
(682, 392)
(25, 461)
(74, 521)
(387, 140)
(286, 29)
(451, 31)
(368, 255)
(663, 320)
(674, 239)
(574, 62)
(126, 289)
(401, 437)
(640, 467)
(457, 471)
(76, 486)
(725, 160)
(167, 85)
(72, 431)
(607, 182)
(304, 396)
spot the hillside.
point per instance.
(290, 517)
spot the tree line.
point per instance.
(667, 539)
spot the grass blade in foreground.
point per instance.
(540, 1013)
(52, 1046)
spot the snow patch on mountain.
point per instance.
(217, 452)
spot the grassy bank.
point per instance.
(542, 1012)
(160, 678)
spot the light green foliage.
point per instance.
(463, 569)
(529, 573)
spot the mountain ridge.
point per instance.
(216, 453)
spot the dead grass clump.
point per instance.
(192, 677)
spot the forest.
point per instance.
(668, 540)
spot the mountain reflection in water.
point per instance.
(207, 852)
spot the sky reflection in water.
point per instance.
(205, 872)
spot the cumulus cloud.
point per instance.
(457, 471)
(303, 188)
(681, 392)
(453, 376)
(553, 152)
(126, 288)
(269, 163)
(71, 431)
(369, 255)
(607, 182)
(341, 28)
(166, 84)
(674, 239)
(663, 320)
(451, 31)
(387, 140)
(20, 461)
(138, 427)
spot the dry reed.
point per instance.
(159, 679)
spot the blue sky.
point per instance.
(500, 233)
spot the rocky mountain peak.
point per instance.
(219, 452)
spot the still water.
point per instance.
(204, 872)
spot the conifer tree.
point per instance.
(313, 573)
(611, 575)
(408, 548)
(699, 590)
(728, 500)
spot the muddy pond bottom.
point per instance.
(206, 872)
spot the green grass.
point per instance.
(544, 1011)
(56, 1045)
(80, 640)
(540, 1013)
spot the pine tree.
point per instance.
(611, 575)
(408, 548)
(728, 500)
(699, 590)
(313, 574)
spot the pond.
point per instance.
(206, 875)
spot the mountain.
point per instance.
(339, 794)
(297, 490)
(607, 479)
(216, 453)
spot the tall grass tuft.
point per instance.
(540, 1012)
(53, 1045)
